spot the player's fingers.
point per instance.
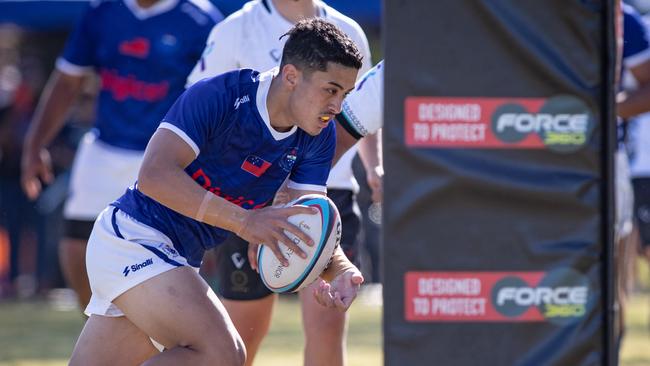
(291, 244)
(32, 188)
(45, 174)
(296, 210)
(252, 256)
(45, 168)
(275, 248)
(318, 297)
(326, 294)
(357, 279)
(295, 230)
(340, 303)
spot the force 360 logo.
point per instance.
(563, 123)
(561, 296)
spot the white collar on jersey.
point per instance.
(157, 8)
(261, 99)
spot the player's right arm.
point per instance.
(162, 177)
(187, 129)
(60, 93)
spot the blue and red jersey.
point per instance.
(143, 57)
(240, 156)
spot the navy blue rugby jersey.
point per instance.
(240, 157)
(142, 56)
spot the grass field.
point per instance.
(34, 334)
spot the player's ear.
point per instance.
(290, 75)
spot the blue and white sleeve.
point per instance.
(636, 42)
(78, 55)
(196, 114)
(313, 169)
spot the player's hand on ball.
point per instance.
(266, 226)
(341, 292)
(252, 256)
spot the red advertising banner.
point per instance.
(561, 123)
(558, 296)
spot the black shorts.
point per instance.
(642, 208)
(237, 281)
(77, 229)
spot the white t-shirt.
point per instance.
(250, 38)
(363, 108)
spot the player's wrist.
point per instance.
(338, 266)
(218, 212)
(240, 223)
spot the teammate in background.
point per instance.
(251, 38)
(632, 99)
(216, 160)
(143, 65)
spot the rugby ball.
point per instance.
(323, 227)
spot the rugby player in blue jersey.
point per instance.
(216, 160)
(142, 50)
(250, 38)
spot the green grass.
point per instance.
(34, 334)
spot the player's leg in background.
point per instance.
(624, 199)
(642, 216)
(325, 332)
(248, 301)
(326, 328)
(100, 174)
(72, 258)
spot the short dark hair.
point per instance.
(314, 42)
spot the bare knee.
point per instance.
(233, 354)
(240, 352)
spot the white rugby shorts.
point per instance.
(121, 254)
(100, 174)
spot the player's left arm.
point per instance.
(370, 154)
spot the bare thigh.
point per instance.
(98, 345)
(178, 309)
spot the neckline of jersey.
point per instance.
(261, 101)
(144, 13)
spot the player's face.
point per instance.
(318, 96)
